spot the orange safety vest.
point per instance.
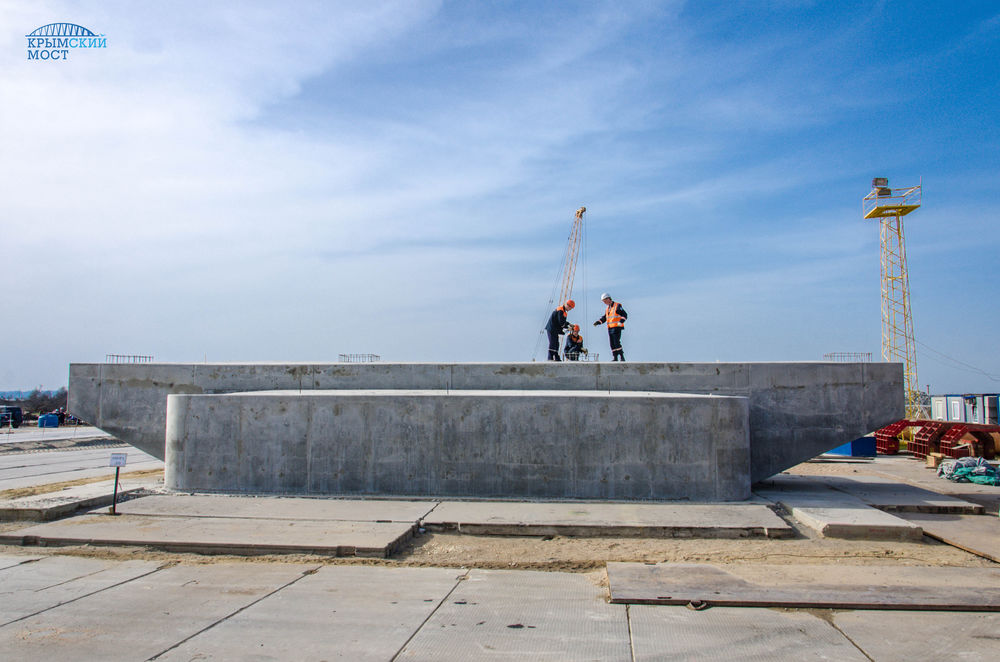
(612, 316)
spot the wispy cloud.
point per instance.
(261, 181)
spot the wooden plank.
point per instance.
(806, 586)
(977, 534)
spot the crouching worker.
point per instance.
(556, 326)
(574, 345)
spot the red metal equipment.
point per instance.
(886, 439)
(950, 440)
(937, 437)
(926, 439)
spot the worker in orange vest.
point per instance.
(557, 326)
(574, 345)
(615, 317)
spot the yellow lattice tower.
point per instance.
(898, 344)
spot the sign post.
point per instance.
(117, 461)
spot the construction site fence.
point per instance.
(849, 357)
(360, 358)
(127, 358)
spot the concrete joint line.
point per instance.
(844, 634)
(18, 565)
(208, 627)
(89, 574)
(458, 580)
(81, 597)
(628, 624)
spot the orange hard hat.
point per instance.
(570, 303)
(576, 328)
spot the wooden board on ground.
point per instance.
(806, 586)
(978, 534)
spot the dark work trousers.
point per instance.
(615, 336)
(553, 345)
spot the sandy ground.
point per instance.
(48, 488)
(589, 555)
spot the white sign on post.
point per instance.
(118, 459)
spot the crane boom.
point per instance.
(572, 256)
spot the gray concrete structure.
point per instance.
(797, 410)
(502, 443)
(642, 520)
(53, 505)
(220, 535)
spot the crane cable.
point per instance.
(585, 327)
(558, 283)
(958, 364)
(549, 307)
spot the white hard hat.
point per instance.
(605, 296)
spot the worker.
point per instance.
(574, 345)
(557, 326)
(615, 317)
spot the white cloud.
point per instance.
(262, 181)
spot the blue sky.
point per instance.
(291, 181)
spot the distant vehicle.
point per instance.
(10, 415)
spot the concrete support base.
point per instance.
(639, 446)
(501, 443)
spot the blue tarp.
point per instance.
(863, 447)
(48, 421)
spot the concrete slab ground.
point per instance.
(891, 495)
(283, 508)
(147, 616)
(220, 535)
(832, 513)
(837, 586)
(608, 519)
(723, 633)
(978, 534)
(525, 615)
(25, 434)
(64, 607)
(329, 615)
(906, 468)
(67, 608)
(38, 584)
(53, 505)
(12, 561)
(18, 470)
(892, 636)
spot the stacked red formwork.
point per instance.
(886, 439)
(951, 445)
(926, 439)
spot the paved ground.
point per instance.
(19, 470)
(33, 433)
(66, 608)
(73, 604)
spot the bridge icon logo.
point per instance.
(55, 41)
